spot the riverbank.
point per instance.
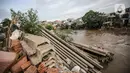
(112, 41)
(118, 31)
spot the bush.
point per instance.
(93, 19)
(49, 27)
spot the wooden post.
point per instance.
(8, 40)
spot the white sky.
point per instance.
(59, 9)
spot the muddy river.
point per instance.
(118, 44)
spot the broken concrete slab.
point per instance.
(48, 56)
(41, 53)
(30, 51)
(44, 48)
(53, 65)
(35, 59)
(48, 63)
(34, 41)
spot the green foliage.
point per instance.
(6, 22)
(76, 26)
(73, 26)
(28, 20)
(93, 19)
(49, 27)
(64, 26)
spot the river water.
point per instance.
(118, 44)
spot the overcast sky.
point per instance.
(59, 9)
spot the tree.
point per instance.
(73, 25)
(6, 22)
(126, 19)
(28, 20)
(93, 19)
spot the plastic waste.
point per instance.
(15, 35)
(76, 69)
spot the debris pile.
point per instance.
(74, 55)
(35, 54)
(50, 54)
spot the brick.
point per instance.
(26, 65)
(17, 48)
(16, 45)
(15, 42)
(31, 69)
(52, 70)
(42, 68)
(17, 67)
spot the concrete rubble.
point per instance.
(35, 56)
(50, 54)
(27, 49)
